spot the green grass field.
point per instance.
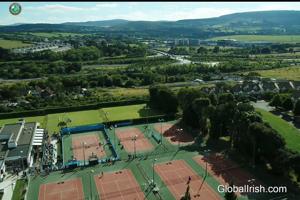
(18, 190)
(268, 38)
(288, 131)
(97, 116)
(128, 112)
(9, 44)
(290, 73)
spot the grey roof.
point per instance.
(20, 150)
(9, 129)
(27, 134)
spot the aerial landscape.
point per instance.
(149, 100)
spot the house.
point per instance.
(284, 85)
(269, 86)
(296, 85)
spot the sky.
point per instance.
(59, 12)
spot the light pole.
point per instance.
(153, 182)
(179, 131)
(115, 126)
(91, 192)
(206, 153)
(161, 135)
(134, 139)
(83, 145)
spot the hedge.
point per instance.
(41, 112)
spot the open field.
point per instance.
(128, 112)
(289, 73)
(50, 122)
(267, 38)
(288, 131)
(77, 118)
(9, 44)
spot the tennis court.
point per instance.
(225, 171)
(139, 144)
(83, 146)
(175, 175)
(118, 185)
(174, 134)
(63, 190)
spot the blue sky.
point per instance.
(58, 12)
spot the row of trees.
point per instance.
(222, 115)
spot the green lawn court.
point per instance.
(288, 131)
(128, 112)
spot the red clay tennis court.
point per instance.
(66, 190)
(118, 185)
(91, 146)
(173, 134)
(125, 136)
(175, 175)
(226, 171)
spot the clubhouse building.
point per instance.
(17, 145)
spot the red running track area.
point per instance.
(120, 185)
(175, 176)
(226, 171)
(92, 146)
(67, 190)
(125, 136)
(173, 135)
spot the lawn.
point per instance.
(77, 118)
(9, 44)
(19, 190)
(268, 38)
(97, 116)
(128, 112)
(288, 131)
(290, 73)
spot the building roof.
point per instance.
(20, 150)
(27, 134)
(9, 129)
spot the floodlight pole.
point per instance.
(115, 126)
(22, 161)
(153, 171)
(134, 139)
(83, 144)
(179, 132)
(91, 173)
(161, 135)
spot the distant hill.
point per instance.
(260, 23)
